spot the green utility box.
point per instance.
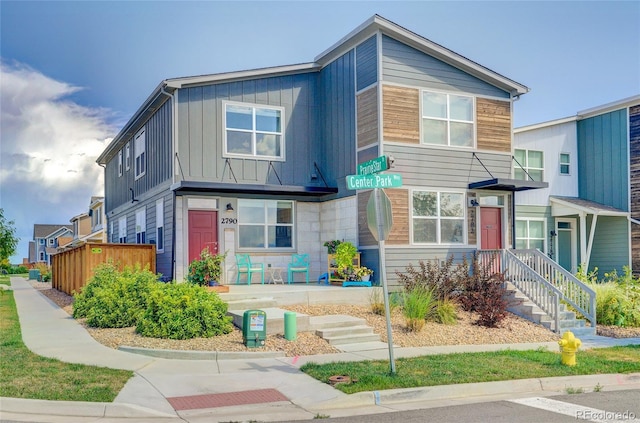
(34, 274)
(254, 328)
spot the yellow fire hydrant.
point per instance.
(569, 344)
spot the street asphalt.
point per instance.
(49, 331)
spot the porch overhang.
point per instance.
(567, 206)
(504, 184)
(198, 187)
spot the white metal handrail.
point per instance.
(573, 291)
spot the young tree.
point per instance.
(8, 239)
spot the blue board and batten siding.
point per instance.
(402, 64)
(603, 163)
(611, 248)
(367, 63)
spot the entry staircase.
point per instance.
(542, 291)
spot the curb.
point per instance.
(465, 390)
(202, 355)
(78, 409)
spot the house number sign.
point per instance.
(228, 221)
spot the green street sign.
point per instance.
(373, 166)
(385, 180)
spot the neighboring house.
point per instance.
(46, 239)
(89, 226)
(255, 161)
(590, 214)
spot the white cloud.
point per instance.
(49, 146)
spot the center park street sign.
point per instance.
(384, 180)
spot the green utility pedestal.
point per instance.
(254, 328)
(290, 326)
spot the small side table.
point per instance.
(276, 275)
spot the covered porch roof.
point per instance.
(569, 206)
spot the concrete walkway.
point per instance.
(160, 383)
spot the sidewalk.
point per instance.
(246, 386)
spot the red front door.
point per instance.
(490, 228)
(203, 232)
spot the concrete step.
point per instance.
(352, 339)
(343, 331)
(252, 304)
(335, 321)
(275, 320)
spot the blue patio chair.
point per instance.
(244, 265)
(299, 263)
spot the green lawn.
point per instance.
(449, 369)
(27, 375)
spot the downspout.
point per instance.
(173, 194)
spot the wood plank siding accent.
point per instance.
(401, 114)
(399, 234)
(367, 117)
(634, 183)
(493, 120)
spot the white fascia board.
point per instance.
(563, 208)
(544, 124)
(609, 107)
(377, 23)
(246, 74)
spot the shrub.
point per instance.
(207, 268)
(446, 312)
(418, 306)
(443, 278)
(376, 301)
(114, 299)
(17, 270)
(184, 311)
(483, 292)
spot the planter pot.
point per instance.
(213, 283)
(365, 278)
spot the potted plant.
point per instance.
(345, 253)
(207, 270)
(332, 245)
(363, 273)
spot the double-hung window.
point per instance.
(141, 226)
(448, 119)
(530, 234)
(565, 164)
(438, 217)
(265, 224)
(120, 163)
(127, 156)
(532, 161)
(122, 230)
(140, 156)
(160, 225)
(254, 131)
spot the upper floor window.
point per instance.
(532, 162)
(127, 156)
(52, 241)
(96, 218)
(265, 224)
(122, 230)
(160, 225)
(447, 119)
(41, 241)
(565, 164)
(120, 163)
(41, 255)
(141, 226)
(254, 131)
(438, 217)
(140, 156)
(530, 234)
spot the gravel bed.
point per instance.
(512, 330)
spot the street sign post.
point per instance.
(383, 180)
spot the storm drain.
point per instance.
(227, 399)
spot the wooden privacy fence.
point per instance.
(72, 269)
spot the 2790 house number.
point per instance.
(229, 221)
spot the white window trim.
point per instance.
(448, 119)
(141, 226)
(140, 152)
(122, 230)
(160, 224)
(266, 227)
(526, 166)
(562, 163)
(438, 233)
(51, 241)
(42, 256)
(225, 153)
(120, 163)
(127, 156)
(528, 238)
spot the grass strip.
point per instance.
(24, 374)
(447, 369)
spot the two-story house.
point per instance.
(46, 239)
(590, 213)
(255, 161)
(89, 226)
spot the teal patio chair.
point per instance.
(244, 265)
(299, 263)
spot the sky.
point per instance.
(72, 73)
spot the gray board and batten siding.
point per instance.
(158, 135)
(367, 63)
(402, 64)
